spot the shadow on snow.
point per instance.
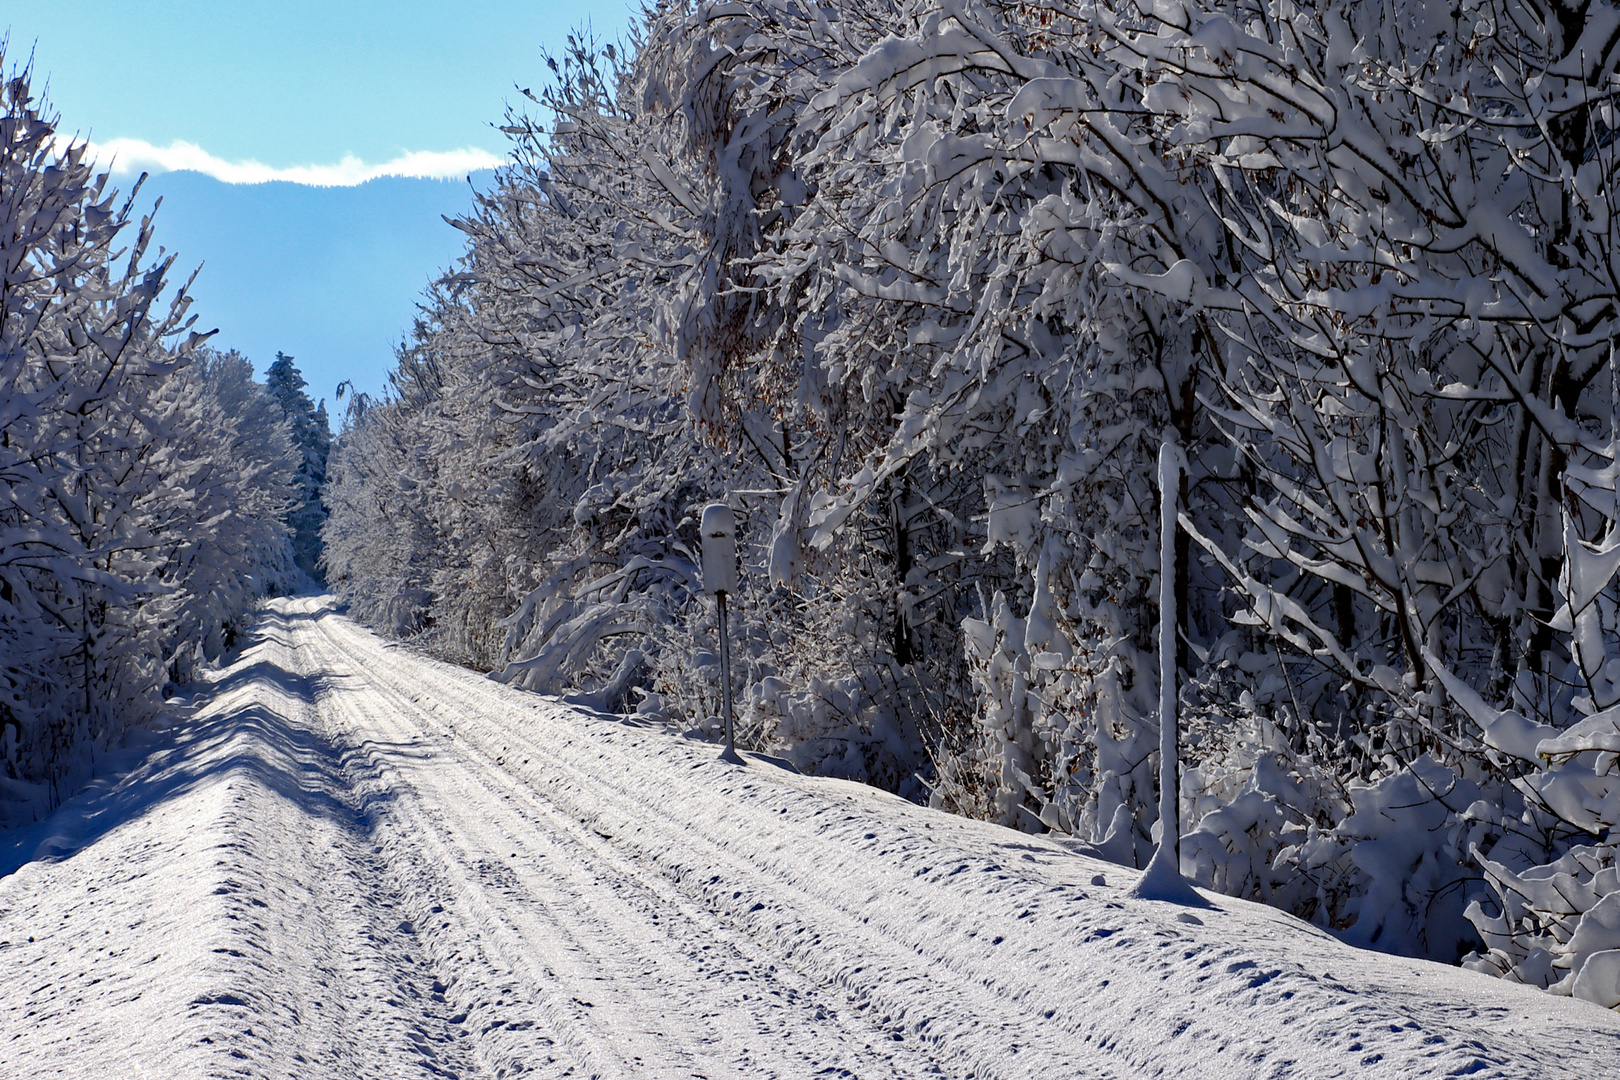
(252, 740)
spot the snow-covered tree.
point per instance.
(312, 434)
(233, 463)
(922, 287)
(133, 489)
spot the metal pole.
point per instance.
(1169, 780)
(1161, 879)
(730, 752)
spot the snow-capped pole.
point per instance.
(719, 578)
(1162, 879)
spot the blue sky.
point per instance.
(311, 99)
(328, 275)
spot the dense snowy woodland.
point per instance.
(147, 481)
(922, 290)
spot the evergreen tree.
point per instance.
(312, 435)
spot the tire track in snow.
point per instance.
(1007, 956)
(990, 1034)
(625, 975)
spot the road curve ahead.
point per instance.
(348, 861)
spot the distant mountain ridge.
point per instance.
(329, 275)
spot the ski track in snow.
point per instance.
(350, 861)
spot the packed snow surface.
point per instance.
(345, 860)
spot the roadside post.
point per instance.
(1161, 879)
(720, 578)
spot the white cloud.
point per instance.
(125, 156)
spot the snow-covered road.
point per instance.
(349, 861)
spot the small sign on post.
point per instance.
(720, 578)
(719, 550)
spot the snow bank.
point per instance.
(355, 859)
